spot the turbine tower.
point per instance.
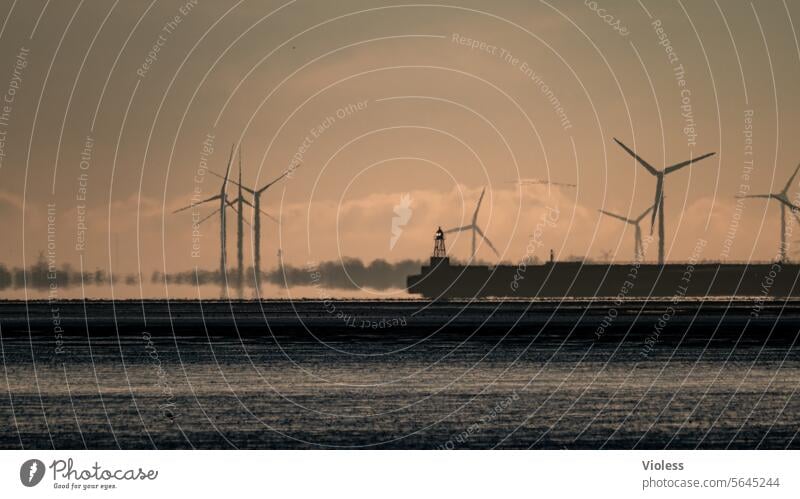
(476, 231)
(240, 228)
(223, 201)
(783, 198)
(638, 247)
(659, 198)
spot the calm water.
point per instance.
(366, 392)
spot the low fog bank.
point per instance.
(348, 273)
(344, 274)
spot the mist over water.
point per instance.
(349, 277)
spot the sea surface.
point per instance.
(443, 391)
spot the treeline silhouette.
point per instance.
(348, 273)
(41, 276)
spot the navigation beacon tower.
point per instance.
(439, 251)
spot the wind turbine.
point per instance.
(783, 198)
(638, 247)
(238, 207)
(475, 229)
(659, 200)
(258, 211)
(223, 200)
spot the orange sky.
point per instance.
(381, 99)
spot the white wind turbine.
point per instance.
(476, 231)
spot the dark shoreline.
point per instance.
(573, 320)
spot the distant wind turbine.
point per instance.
(258, 211)
(235, 205)
(475, 229)
(659, 198)
(638, 247)
(240, 201)
(783, 198)
(223, 201)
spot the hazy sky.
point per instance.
(381, 99)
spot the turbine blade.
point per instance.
(227, 173)
(270, 217)
(791, 179)
(184, 208)
(458, 229)
(282, 175)
(618, 217)
(677, 167)
(192, 205)
(478, 207)
(762, 196)
(644, 214)
(483, 236)
(208, 216)
(642, 162)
